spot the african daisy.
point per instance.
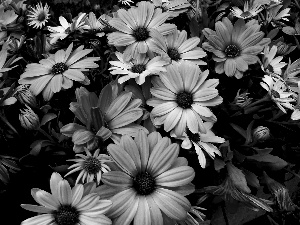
(38, 15)
(271, 63)
(250, 10)
(181, 96)
(58, 71)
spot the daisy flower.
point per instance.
(38, 16)
(138, 68)
(234, 46)
(202, 141)
(94, 25)
(67, 206)
(90, 166)
(278, 91)
(58, 71)
(271, 63)
(175, 47)
(108, 116)
(151, 181)
(250, 10)
(173, 7)
(273, 14)
(181, 96)
(137, 28)
(60, 32)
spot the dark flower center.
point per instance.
(193, 137)
(246, 14)
(41, 17)
(144, 183)
(275, 94)
(66, 215)
(138, 68)
(92, 165)
(232, 51)
(141, 34)
(59, 68)
(173, 54)
(184, 100)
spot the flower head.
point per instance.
(67, 206)
(110, 116)
(181, 97)
(38, 16)
(271, 63)
(60, 32)
(250, 10)
(261, 133)
(202, 142)
(58, 71)
(278, 91)
(29, 119)
(25, 96)
(138, 68)
(94, 25)
(234, 46)
(148, 180)
(90, 166)
(175, 47)
(137, 28)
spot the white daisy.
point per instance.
(271, 63)
(38, 15)
(60, 32)
(250, 10)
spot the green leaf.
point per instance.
(36, 146)
(240, 130)
(273, 33)
(238, 178)
(289, 30)
(47, 118)
(251, 178)
(4, 176)
(270, 161)
(194, 28)
(219, 164)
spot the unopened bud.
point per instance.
(242, 100)
(29, 119)
(25, 96)
(261, 133)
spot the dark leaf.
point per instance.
(47, 118)
(270, 161)
(4, 176)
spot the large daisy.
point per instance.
(67, 206)
(181, 97)
(138, 68)
(234, 46)
(151, 181)
(137, 27)
(38, 15)
(175, 47)
(58, 71)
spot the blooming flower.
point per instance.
(29, 119)
(94, 25)
(175, 47)
(270, 63)
(202, 141)
(148, 181)
(58, 71)
(67, 206)
(261, 133)
(110, 116)
(250, 10)
(274, 15)
(234, 46)
(90, 166)
(138, 68)
(38, 16)
(181, 97)
(137, 27)
(278, 91)
(59, 32)
(173, 7)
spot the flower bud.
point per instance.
(29, 119)
(242, 100)
(261, 133)
(25, 96)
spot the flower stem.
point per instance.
(45, 134)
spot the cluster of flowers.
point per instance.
(160, 99)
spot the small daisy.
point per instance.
(202, 141)
(38, 16)
(181, 96)
(91, 166)
(60, 32)
(176, 47)
(250, 10)
(150, 183)
(271, 63)
(138, 68)
(273, 14)
(94, 25)
(58, 71)
(137, 28)
(278, 91)
(66, 205)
